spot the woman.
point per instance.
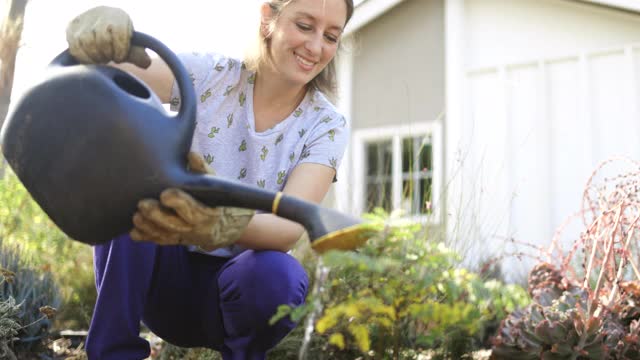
(265, 121)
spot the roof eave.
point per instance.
(628, 5)
(367, 11)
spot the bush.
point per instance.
(44, 246)
(401, 294)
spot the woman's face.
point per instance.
(305, 38)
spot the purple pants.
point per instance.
(190, 299)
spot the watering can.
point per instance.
(89, 141)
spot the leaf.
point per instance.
(300, 312)
(281, 313)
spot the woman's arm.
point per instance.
(157, 76)
(307, 181)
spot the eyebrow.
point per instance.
(307, 15)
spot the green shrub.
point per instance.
(43, 245)
(401, 294)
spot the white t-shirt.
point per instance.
(225, 128)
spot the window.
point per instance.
(378, 184)
(398, 168)
(417, 174)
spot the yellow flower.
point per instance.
(361, 334)
(326, 322)
(351, 310)
(337, 340)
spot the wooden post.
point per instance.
(10, 33)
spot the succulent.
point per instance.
(628, 307)
(557, 324)
(546, 276)
(600, 318)
(629, 347)
(627, 312)
(9, 326)
(35, 291)
(551, 328)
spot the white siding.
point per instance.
(545, 91)
(537, 130)
(504, 32)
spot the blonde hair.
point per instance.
(258, 55)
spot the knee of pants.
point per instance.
(255, 283)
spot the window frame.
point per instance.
(396, 134)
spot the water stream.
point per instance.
(320, 278)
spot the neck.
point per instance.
(271, 89)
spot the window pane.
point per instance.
(417, 162)
(423, 205)
(416, 195)
(408, 195)
(378, 195)
(379, 158)
(379, 178)
(408, 151)
(416, 154)
(425, 157)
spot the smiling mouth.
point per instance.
(304, 62)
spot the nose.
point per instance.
(314, 45)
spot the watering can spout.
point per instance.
(327, 228)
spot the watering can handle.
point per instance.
(187, 93)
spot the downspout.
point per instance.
(453, 124)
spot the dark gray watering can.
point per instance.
(89, 141)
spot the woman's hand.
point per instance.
(103, 34)
(178, 218)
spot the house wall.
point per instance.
(398, 66)
(549, 89)
(504, 32)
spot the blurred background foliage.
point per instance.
(400, 295)
(41, 246)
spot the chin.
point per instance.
(300, 80)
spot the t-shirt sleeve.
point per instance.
(327, 143)
(206, 72)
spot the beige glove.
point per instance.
(180, 219)
(103, 34)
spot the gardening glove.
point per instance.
(178, 218)
(103, 34)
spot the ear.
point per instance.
(266, 16)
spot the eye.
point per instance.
(331, 38)
(303, 26)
